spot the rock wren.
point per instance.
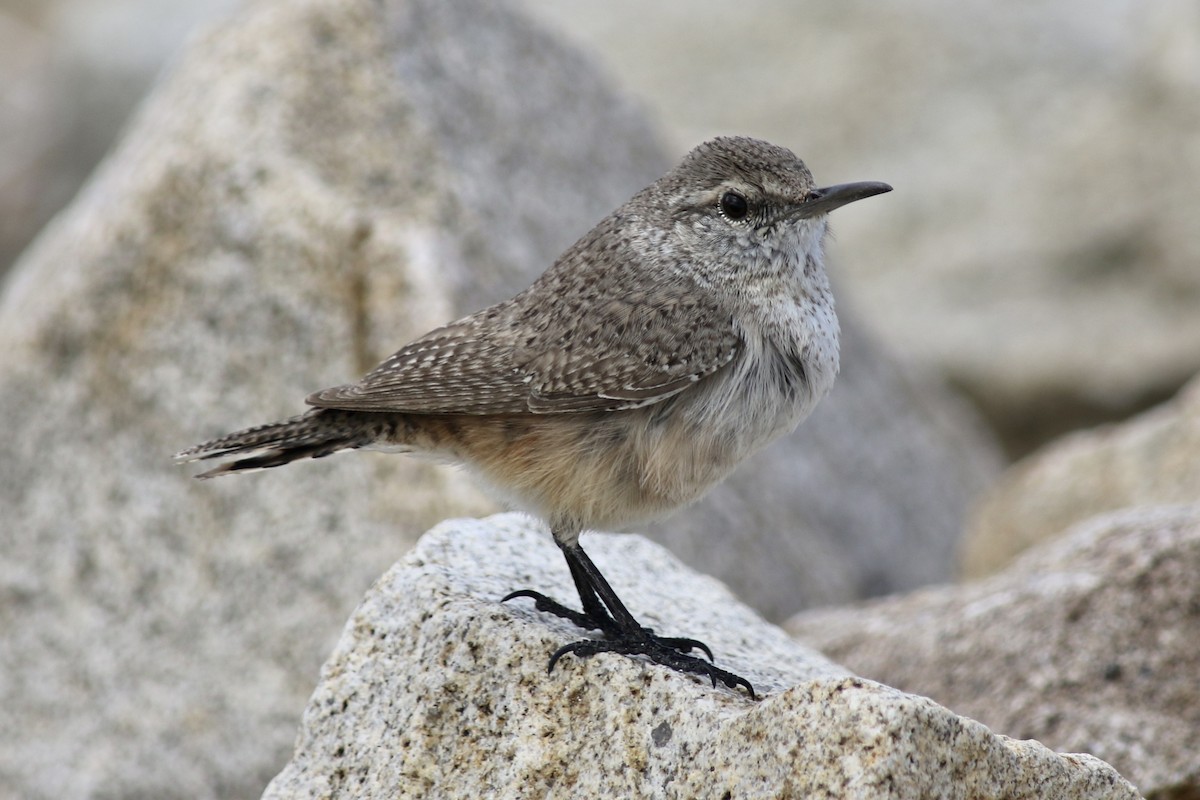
(687, 330)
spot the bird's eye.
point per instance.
(734, 206)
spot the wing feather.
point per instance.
(605, 345)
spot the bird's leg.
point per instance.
(605, 612)
(592, 584)
(594, 617)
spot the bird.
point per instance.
(688, 329)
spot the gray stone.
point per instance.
(73, 70)
(1152, 459)
(30, 132)
(438, 690)
(1087, 642)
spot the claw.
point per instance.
(686, 645)
(522, 593)
(545, 604)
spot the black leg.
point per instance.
(604, 611)
(594, 617)
(592, 606)
(588, 574)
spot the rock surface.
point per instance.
(29, 131)
(438, 690)
(1084, 643)
(1041, 246)
(1153, 459)
(311, 186)
(72, 72)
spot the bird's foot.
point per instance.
(605, 623)
(669, 651)
(583, 620)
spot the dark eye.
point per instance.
(734, 206)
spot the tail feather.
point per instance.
(315, 434)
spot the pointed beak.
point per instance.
(822, 201)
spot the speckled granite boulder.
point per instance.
(1151, 459)
(438, 690)
(1088, 642)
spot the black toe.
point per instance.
(661, 651)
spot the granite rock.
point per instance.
(73, 71)
(30, 133)
(438, 690)
(1152, 459)
(1087, 642)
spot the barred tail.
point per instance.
(314, 434)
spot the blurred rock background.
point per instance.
(71, 72)
(1040, 254)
